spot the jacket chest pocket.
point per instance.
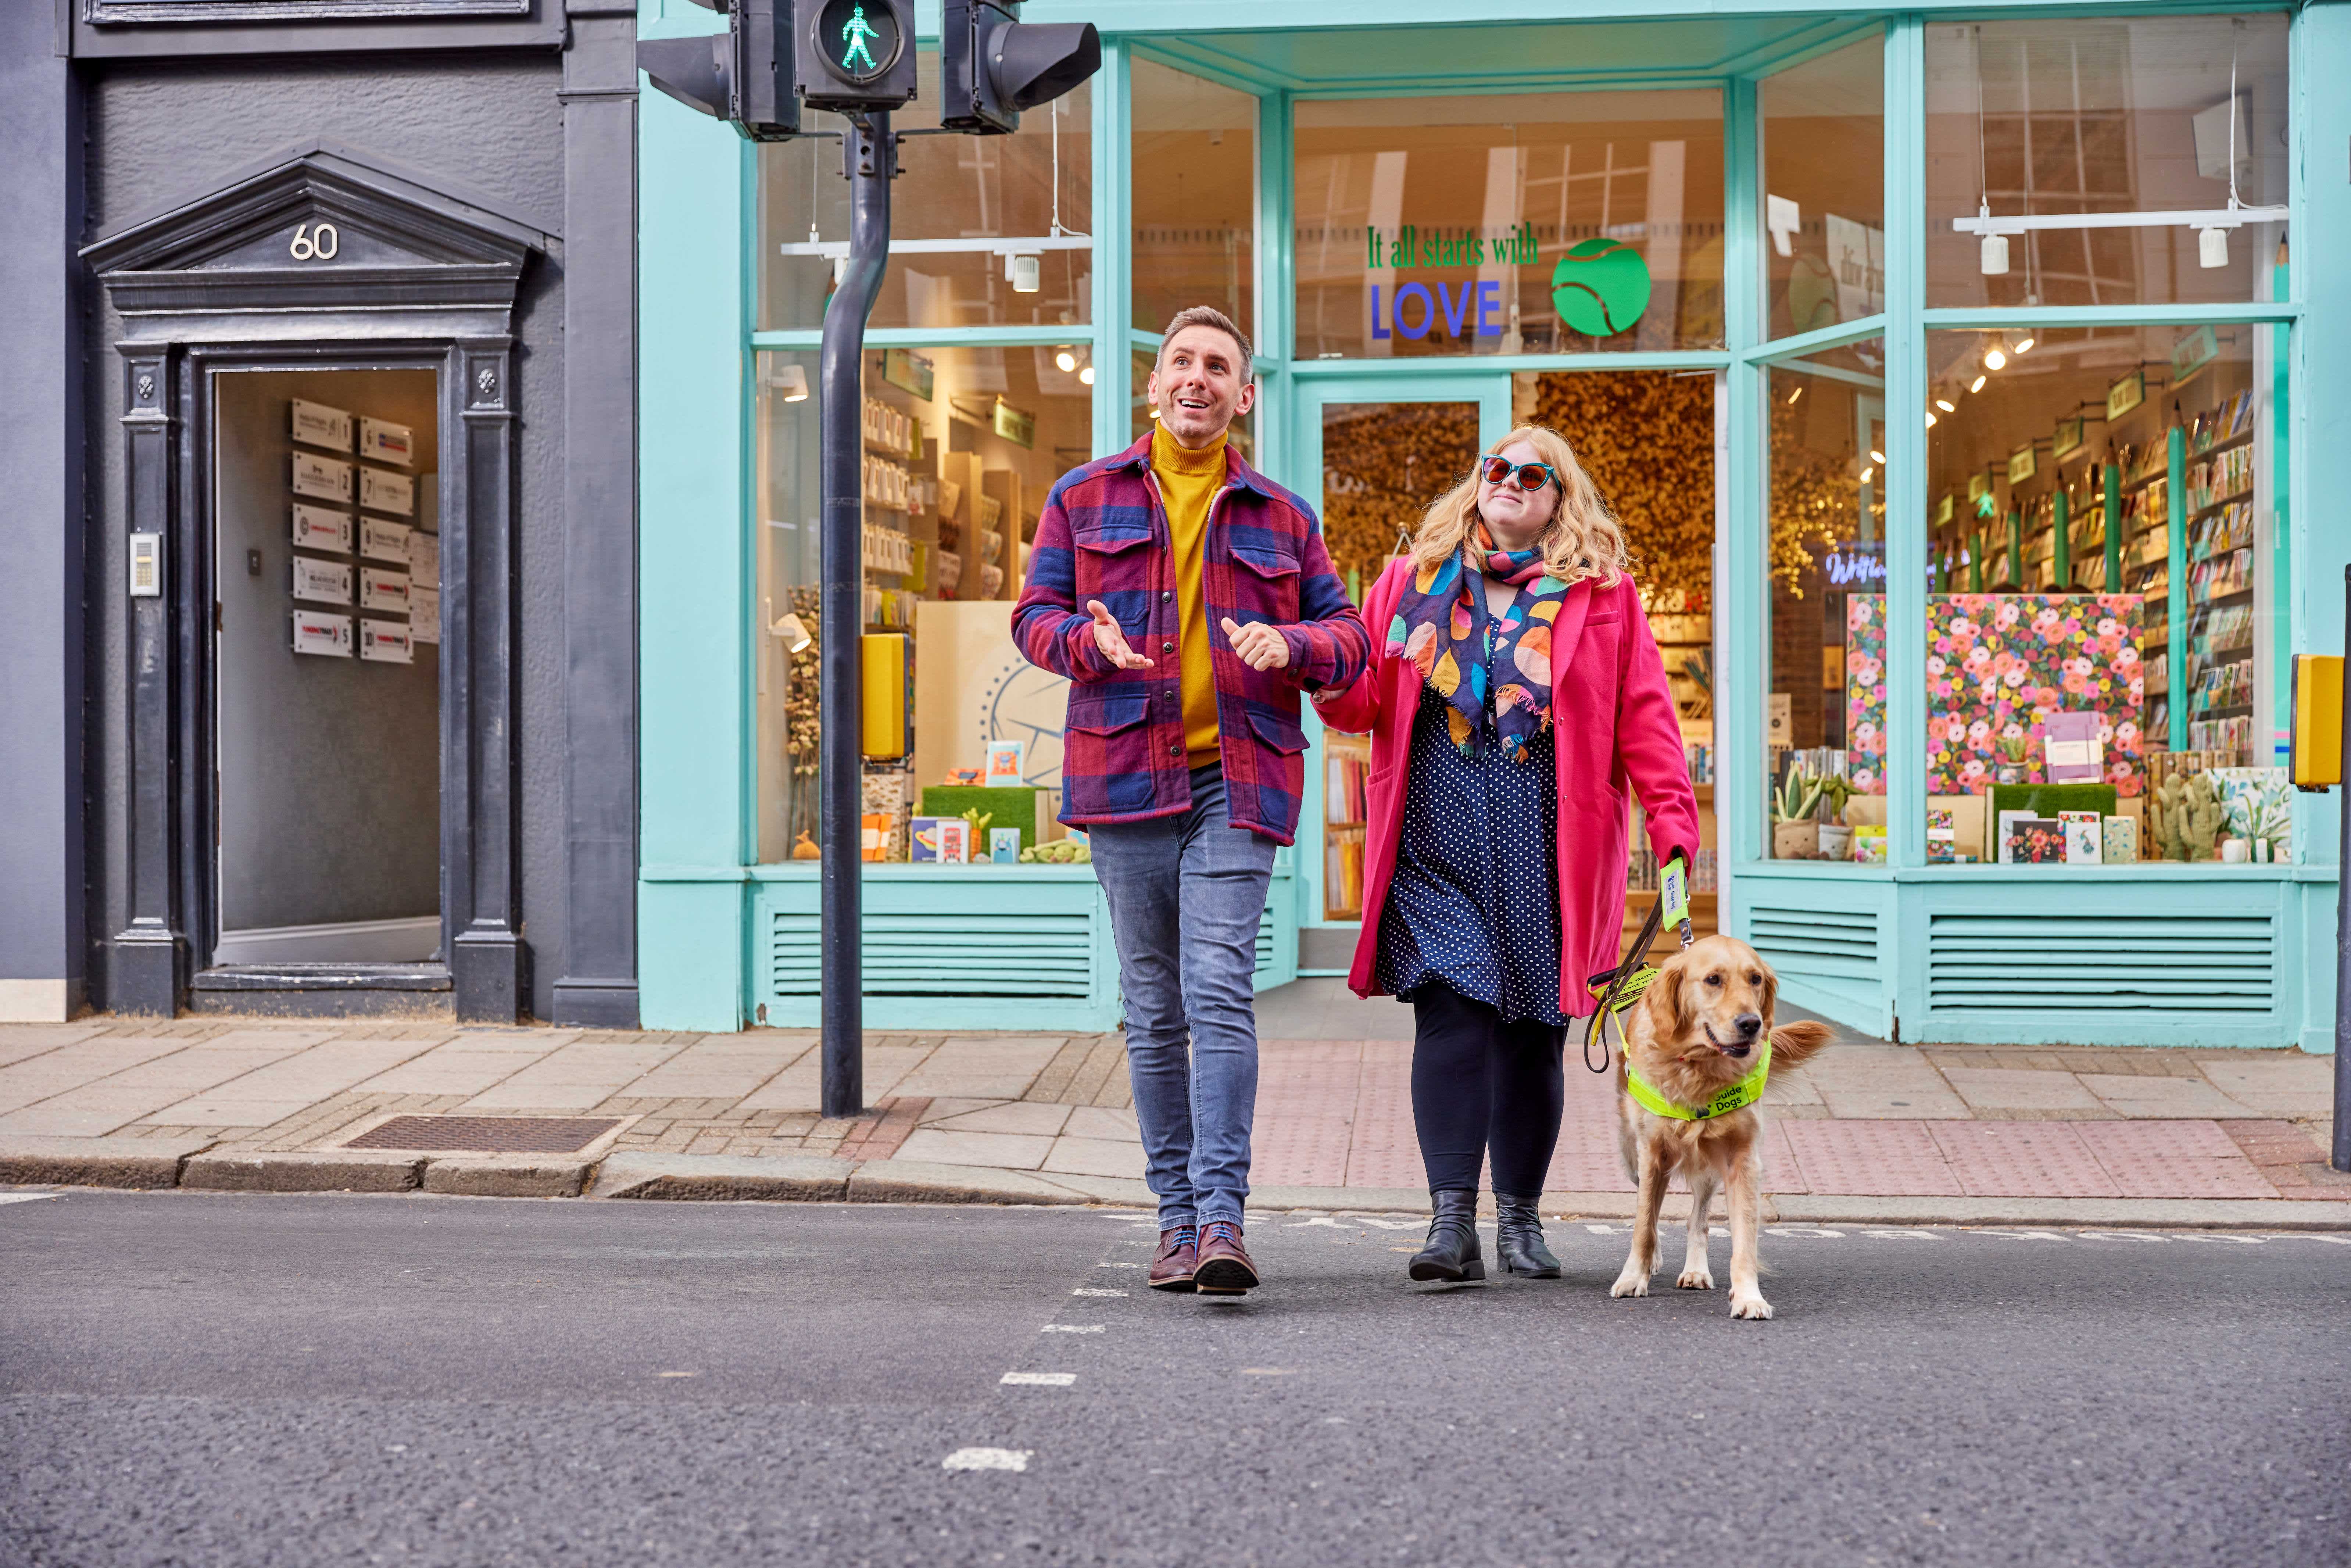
(1266, 580)
(1112, 556)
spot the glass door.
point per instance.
(1383, 449)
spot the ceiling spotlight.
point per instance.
(1086, 376)
(1948, 407)
(1066, 361)
(1930, 419)
(794, 635)
(1794, 395)
(791, 380)
(1877, 457)
(2023, 346)
(1995, 255)
(1866, 473)
(1976, 385)
(2211, 247)
(1024, 273)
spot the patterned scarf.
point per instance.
(1435, 627)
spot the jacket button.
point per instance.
(1164, 597)
(1166, 647)
(1175, 748)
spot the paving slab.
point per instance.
(721, 1176)
(142, 1163)
(1994, 1089)
(1001, 1151)
(506, 1176)
(987, 1069)
(799, 1086)
(1095, 1157)
(463, 1066)
(371, 1170)
(2276, 1084)
(2167, 1098)
(19, 1042)
(1101, 1122)
(1008, 1117)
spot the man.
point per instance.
(1189, 600)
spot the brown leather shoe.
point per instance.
(1180, 1250)
(1224, 1269)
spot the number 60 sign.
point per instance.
(318, 244)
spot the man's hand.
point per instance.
(1262, 647)
(1111, 641)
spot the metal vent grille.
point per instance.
(948, 954)
(2219, 967)
(1835, 944)
(486, 1135)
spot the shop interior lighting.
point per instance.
(1086, 375)
(1866, 473)
(1877, 457)
(1976, 385)
(1930, 419)
(1995, 358)
(1946, 406)
(2023, 346)
(791, 380)
(1794, 395)
(1066, 361)
(1025, 273)
(791, 631)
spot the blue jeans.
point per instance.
(1186, 894)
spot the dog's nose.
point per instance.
(1748, 1024)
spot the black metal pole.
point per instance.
(2342, 1153)
(869, 157)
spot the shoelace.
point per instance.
(1186, 1236)
(1221, 1230)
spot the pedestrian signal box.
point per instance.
(856, 54)
(2316, 754)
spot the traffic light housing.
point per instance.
(992, 64)
(742, 76)
(856, 54)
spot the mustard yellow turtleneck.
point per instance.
(1188, 482)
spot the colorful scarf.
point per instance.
(1435, 627)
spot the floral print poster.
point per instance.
(1998, 664)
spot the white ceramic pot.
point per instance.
(1836, 841)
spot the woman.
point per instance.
(1518, 695)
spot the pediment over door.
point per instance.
(319, 228)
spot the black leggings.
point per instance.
(1481, 1083)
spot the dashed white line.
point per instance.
(1118, 1265)
(1095, 1291)
(25, 1196)
(1040, 1379)
(1071, 1327)
(987, 1459)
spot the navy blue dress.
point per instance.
(1474, 902)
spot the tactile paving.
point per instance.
(1871, 1159)
(2022, 1159)
(2173, 1159)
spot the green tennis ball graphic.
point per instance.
(1600, 286)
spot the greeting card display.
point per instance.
(2035, 840)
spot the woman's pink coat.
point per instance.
(1616, 735)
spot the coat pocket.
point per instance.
(1107, 760)
(1267, 582)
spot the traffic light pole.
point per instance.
(869, 157)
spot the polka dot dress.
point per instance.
(1475, 900)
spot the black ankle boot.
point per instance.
(1519, 1237)
(1452, 1252)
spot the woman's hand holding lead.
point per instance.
(1262, 647)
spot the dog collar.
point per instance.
(1738, 1097)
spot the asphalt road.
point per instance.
(192, 1379)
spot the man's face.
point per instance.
(1196, 385)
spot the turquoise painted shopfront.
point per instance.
(1968, 381)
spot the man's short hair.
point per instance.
(1206, 316)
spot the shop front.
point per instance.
(1946, 371)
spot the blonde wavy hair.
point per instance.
(1581, 541)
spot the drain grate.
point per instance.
(487, 1134)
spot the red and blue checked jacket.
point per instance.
(1103, 535)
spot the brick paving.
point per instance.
(1866, 1119)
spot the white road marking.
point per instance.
(2213, 1236)
(1071, 1327)
(2023, 1235)
(1095, 1291)
(1804, 1233)
(987, 1459)
(2118, 1236)
(1887, 1233)
(2312, 1235)
(25, 1196)
(673, 1374)
(1040, 1379)
(1118, 1265)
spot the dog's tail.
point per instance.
(1794, 1044)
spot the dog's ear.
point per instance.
(1771, 1008)
(1794, 1044)
(1668, 1003)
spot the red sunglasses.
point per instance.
(1531, 476)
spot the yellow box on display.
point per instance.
(888, 674)
(2316, 756)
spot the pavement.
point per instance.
(204, 1379)
(1870, 1131)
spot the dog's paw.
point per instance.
(1633, 1282)
(1750, 1304)
(1698, 1278)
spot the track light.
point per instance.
(2023, 346)
(1930, 419)
(1948, 407)
(1024, 273)
(2213, 248)
(1877, 457)
(1995, 255)
(1086, 376)
(1794, 395)
(1994, 359)
(1976, 385)
(1066, 361)
(1866, 473)
(794, 634)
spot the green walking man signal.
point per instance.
(856, 30)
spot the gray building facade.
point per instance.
(422, 211)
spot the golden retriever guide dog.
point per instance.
(1699, 1045)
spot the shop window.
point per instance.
(2102, 518)
(1194, 154)
(1507, 224)
(1825, 189)
(962, 447)
(1825, 723)
(985, 231)
(2112, 117)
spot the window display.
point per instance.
(2102, 512)
(1825, 554)
(1823, 133)
(2109, 138)
(1194, 156)
(1509, 225)
(985, 230)
(962, 447)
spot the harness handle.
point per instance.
(1670, 907)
